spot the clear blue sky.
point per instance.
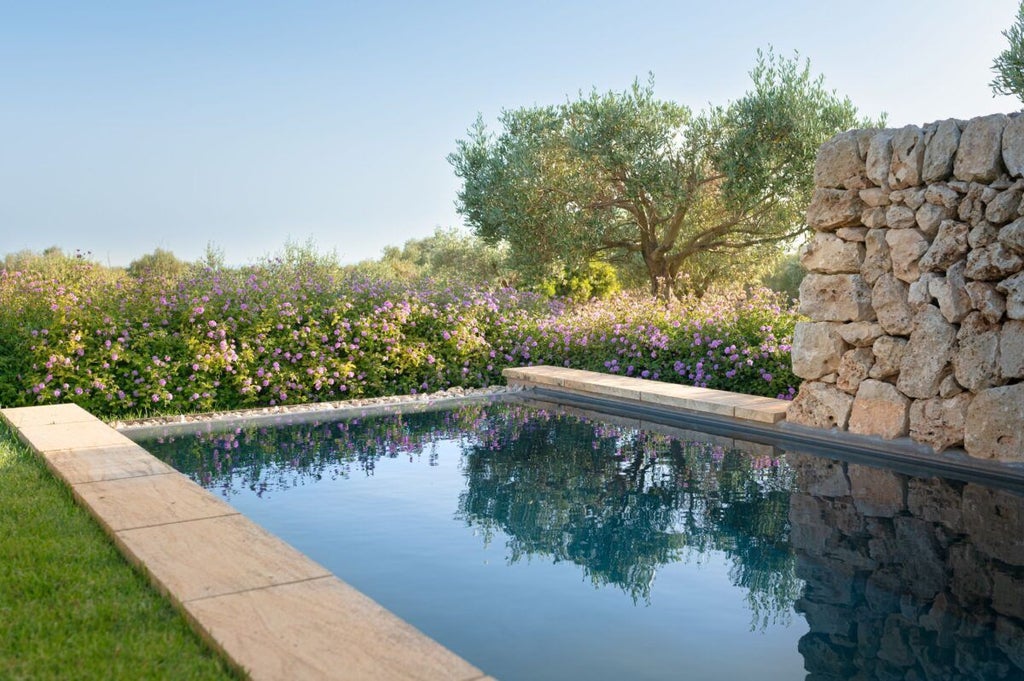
(128, 126)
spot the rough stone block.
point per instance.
(1013, 287)
(979, 157)
(889, 298)
(877, 260)
(839, 163)
(836, 298)
(939, 422)
(1013, 146)
(828, 254)
(906, 246)
(995, 424)
(888, 352)
(1012, 236)
(860, 334)
(820, 405)
(949, 246)
(986, 300)
(950, 293)
(907, 157)
(853, 369)
(992, 262)
(831, 209)
(1011, 350)
(927, 356)
(879, 157)
(879, 409)
(817, 349)
(940, 149)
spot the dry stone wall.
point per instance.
(915, 287)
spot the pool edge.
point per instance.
(271, 611)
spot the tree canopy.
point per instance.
(624, 175)
(1009, 65)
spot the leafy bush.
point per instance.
(297, 329)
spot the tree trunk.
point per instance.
(662, 276)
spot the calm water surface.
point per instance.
(542, 545)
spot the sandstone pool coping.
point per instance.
(269, 609)
(703, 400)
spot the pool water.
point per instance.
(539, 544)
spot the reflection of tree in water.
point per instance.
(620, 503)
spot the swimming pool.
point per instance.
(541, 543)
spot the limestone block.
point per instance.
(1012, 236)
(879, 409)
(855, 234)
(817, 349)
(820, 405)
(995, 424)
(914, 198)
(906, 246)
(831, 209)
(949, 246)
(982, 234)
(889, 299)
(930, 216)
(940, 423)
(874, 197)
(888, 352)
(877, 492)
(836, 298)
(879, 157)
(940, 149)
(986, 300)
(853, 369)
(1013, 146)
(950, 293)
(839, 163)
(979, 157)
(1013, 287)
(974, 363)
(942, 195)
(1003, 207)
(899, 217)
(936, 500)
(860, 334)
(826, 253)
(949, 387)
(992, 262)
(874, 218)
(919, 294)
(1011, 350)
(907, 157)
(876, 256)
(927, 356)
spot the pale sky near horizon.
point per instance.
(130, 126)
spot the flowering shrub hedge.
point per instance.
(287, 332)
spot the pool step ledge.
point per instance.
(706, 400)
(269, 609)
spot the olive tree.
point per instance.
(624, 174)
(1009, 65)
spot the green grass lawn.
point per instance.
(71, 607)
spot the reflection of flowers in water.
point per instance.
(619, 502)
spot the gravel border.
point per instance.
(448, 397)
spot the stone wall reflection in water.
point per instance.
(907, 577)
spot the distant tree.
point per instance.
(160, 264)
(1009, 65)
(625, 174)
(448, 255)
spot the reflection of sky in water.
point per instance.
(540, 545)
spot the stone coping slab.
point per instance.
(720, 402)
(269, 609)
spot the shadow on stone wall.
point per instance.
(907, 578)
